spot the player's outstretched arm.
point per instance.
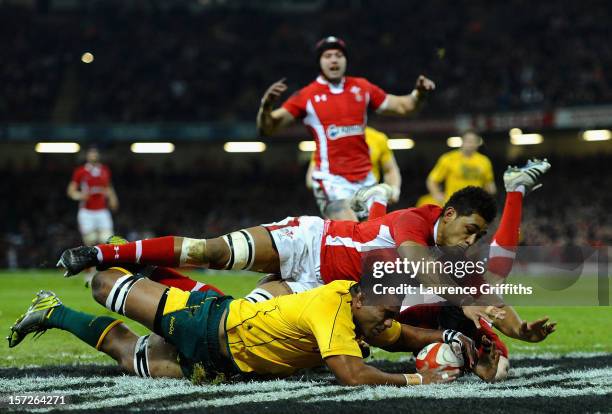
(473, 310)
(514, 327)
(352, 370)
(268, 120)
(412, 339)
(406, 104)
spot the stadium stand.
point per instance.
(213, 65)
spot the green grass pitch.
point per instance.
(580, 329)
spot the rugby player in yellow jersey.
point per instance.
(206, 336)
(461, 168)
(367, 201)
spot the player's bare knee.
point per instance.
(101, 285)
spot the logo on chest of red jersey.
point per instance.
(356, 90)
(341, 131)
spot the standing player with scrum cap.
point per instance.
(334, 109)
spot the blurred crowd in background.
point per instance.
(214, 65)
(569, 210)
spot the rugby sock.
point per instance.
(486, 330)
(505, 241)
(89, 328)
(378, 209)
(158, 251)
(173, 278)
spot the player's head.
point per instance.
(92, 155)
(466, 217)
(371, 320)
(331, 57)
(470, 141)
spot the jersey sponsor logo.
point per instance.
(320, 98)
(341, 131)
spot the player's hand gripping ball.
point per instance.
(439, 355)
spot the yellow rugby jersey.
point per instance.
(291, 332)
(380, 152)
(458, 171)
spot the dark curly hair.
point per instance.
(470, 200)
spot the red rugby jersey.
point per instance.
(345, 243)
(94, 181)
(336, 117)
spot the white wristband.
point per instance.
(413, 379)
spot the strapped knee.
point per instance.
(258, 295)
(117, 297)
(141, 359)
(242, 250)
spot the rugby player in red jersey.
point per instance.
(91, 186)
(334, 108)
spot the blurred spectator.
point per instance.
(213, 65)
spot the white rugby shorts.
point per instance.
(95, 220)
(328, 187)
(298, 241)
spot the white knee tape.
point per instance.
(242, 250)
(141, 359)
(258, 295)
(118, 295)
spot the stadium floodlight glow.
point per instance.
(400, 143)
(244, 146)
(87, 57)
(152, 147)
(526, 139)
(57, 147)
(307, 146)
(454, 142)
(515, 131)
(597, 135)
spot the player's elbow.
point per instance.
(349, 380)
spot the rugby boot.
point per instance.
(528, 176)
(33, 320)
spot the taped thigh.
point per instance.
(119, 293)
(242, 250)
(141, 358)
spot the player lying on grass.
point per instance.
(206, 336)
(307, 251)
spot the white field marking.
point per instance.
(128, 390)
(119, 391)
(518, 356)
(574, 385)
(522, 371)
(306, 390)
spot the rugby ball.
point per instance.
(439, 355)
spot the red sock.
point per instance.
(377, 210)
(505, 241)
(170, 277)
(488, 331)
(159, 251)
